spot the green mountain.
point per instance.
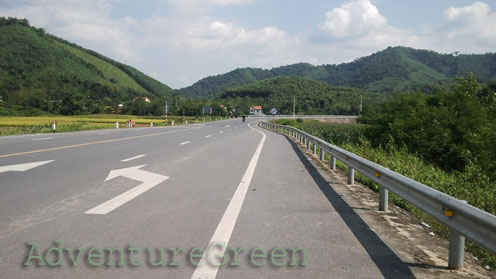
(309, 96)
(40, 72)
(395, 69)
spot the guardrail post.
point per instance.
(383, 198)
(351, 175)
(307, 142)
(333, 162)
(314, 148)
(456, 250)
(322, 154)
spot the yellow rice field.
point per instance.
(10, 125)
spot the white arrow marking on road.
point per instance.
(183, 143)
(208, 136)
(23, 167)
(149, 180)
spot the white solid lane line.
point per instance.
(207, 136)
(132, 158)
(226, 226)
(183, 143)
(43, 138)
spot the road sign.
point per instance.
(273, 111)
(207, 110)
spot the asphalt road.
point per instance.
(168, 202)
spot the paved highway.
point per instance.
(168, 202)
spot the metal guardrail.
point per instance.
(462, 219)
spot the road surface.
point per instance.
(168, 202)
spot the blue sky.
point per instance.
(181, 41)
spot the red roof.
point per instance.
(143, 98)
(256, 107)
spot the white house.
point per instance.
(256, 110)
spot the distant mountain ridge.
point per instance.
(394, 69)
(41, 72)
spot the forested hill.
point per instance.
(309, 96)
(394, 69)
(40, 72)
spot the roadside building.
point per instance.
(256, 110)
(143, 98)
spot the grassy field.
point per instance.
(42, 124)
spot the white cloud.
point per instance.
(190, 7)
(353, 19)
(471, 27)
(359, 22)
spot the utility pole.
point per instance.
(294, 105)
(166, 111)
(360, 112)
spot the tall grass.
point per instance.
(332, 132)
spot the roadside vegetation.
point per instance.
(445, 140)
(42, 124)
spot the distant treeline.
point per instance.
(308, 97)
